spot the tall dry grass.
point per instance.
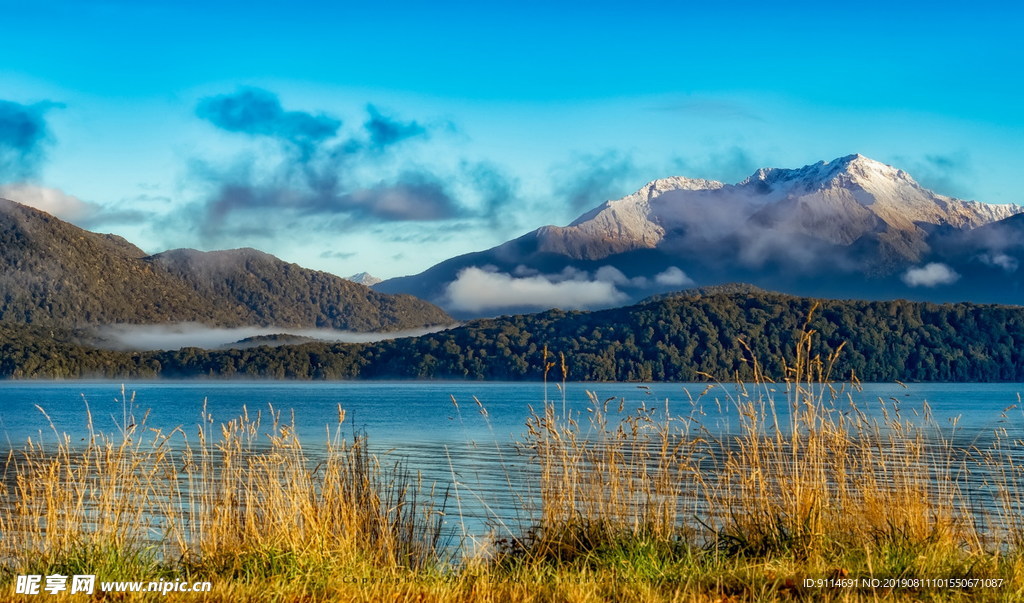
(225, 499)
(803, 474)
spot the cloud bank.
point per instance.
(1002, 260)
(183, 335)
(67, 207)
(673, 277)
(478, 290)
(481, 289)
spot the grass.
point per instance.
(649, 507)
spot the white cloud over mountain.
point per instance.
(51, 200)
(932, 274)
(478, 289)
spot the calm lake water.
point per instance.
(451, 442)
(422, 413)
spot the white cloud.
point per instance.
(521, 270)
(51, 200)
(69, 208)
(673, 277)
(477, 290)
(1007, 263)
(611, 274)
(930, 275)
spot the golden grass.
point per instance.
(647, 507)
(226, 502)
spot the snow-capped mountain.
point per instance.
(364, 278)
(852, 227)
(836, 202)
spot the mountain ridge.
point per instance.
(60, 275)
(284, 294)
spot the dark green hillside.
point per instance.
(678, 338)
(56, 353)
(673, 339)
(287, 295)
(56, 274)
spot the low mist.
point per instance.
(184, 335)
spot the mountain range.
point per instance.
(59, 275)
(851, 227)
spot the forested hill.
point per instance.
(58, 275)
(674, 338)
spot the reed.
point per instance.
(223, 502)
(805, 480)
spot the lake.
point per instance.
(459, 434)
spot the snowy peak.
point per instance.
(364, 278)
(852, 168)
(849, 227)
(839, 202)
(650, 191)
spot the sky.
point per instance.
(348, 137)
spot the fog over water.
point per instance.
(183, 335)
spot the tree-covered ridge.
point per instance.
(673, 339)
(56, 274)
(282, 294)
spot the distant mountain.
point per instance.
(364, 278)
(56, 274)
(278, 293)
(850, 227)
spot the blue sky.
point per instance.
(390, 137)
